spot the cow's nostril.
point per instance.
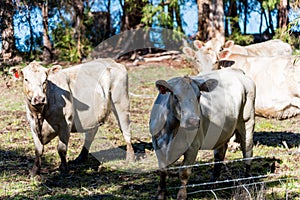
(39, 100)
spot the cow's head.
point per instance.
(175, 116)
(203, 58)
(183, 99)
(35, 79)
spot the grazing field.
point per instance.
(106, 175)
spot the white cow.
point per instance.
(277, 81)
(276, 78)
(274, 47)
(75, 99)
(201, 112)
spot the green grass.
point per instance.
(116, 179)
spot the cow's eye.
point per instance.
(26, 80)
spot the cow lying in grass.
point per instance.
(77, 99)
(276, 77)
(201, 112)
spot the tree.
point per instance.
(7, 11)
(47, 49)
(210, 20)
(132, 13)
(283, 9)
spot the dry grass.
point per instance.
(112, 178)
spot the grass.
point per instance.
(113, 178)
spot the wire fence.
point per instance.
(238, 182)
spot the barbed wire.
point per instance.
(273, 156)
(243, 185)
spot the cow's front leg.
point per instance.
(162, 188)
(89, 137)
(219, 155)
(39, 149)
(62, 150)
(184, 174)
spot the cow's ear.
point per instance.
(229, 44)
(208, 85)
(54, 69)
(16, 72)
(189, 52)
(198, 44)
(224, 54)
(163, 87)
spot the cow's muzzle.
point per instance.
(38, 101)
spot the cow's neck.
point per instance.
(37, 114)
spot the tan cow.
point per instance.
(277, 81)
(269, 48)
(75, 99)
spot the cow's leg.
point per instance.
(184, 174)
(219, 155)
(120, 107)
(246, 135)
(62, 149)
(162, 188)
(39, 149)
(89, 138)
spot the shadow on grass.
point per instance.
(90, 180)
(276, 139)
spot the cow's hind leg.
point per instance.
(89, 138)
(120, 107)
(219, 155)
(246, 135)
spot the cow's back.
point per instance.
(224, 108)
(91, 85)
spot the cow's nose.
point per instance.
(39, 100)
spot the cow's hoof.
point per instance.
(78, 160)
(161, 195)
(182, 194)
(34, 172)
(130, 157)
(64, 169)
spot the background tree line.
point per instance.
(72, 28)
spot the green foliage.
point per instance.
(240, 39)
(157, 13)
(285, 34)
(66, 45)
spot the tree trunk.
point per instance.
(245, 2)
(211, 20)
(204, 21)
(7, 27)
(283, 19)
(218, 21)
(47, 51)
(178, 18)
(132, 13)
(234, 17)
(79, 28)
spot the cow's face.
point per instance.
(175, 116)
(204, 58)
(183, 100)
(34, 78)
